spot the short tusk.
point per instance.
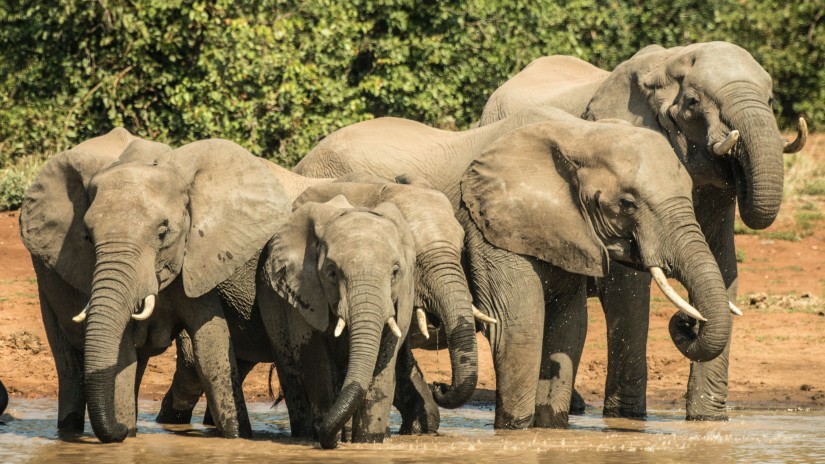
(723, 147)
(734, 309)
(483, 317)
(339, 328)
(82, 315)
(394, 327)
(422, 322)
(148, 308)
(801, 138)
(670, 293)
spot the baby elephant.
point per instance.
(356, 264)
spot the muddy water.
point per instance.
(28, 435)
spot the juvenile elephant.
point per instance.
(542, 207)
(440, 288)
(141, 239)
(713, 103)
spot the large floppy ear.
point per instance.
(51, 217)
(295, 251)
(523, 194)
(235, 202)
(636, 90)
(406, 286)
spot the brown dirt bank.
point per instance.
(776, 358)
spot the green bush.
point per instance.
(278, 75)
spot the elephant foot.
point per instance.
(169, 415)
(548, 418)
(615, 407)
(376, 437)
(577, 404)
(507, 421)
(707, 417)
(419, 427)
(71, 426)
(625, 413)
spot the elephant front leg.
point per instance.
(413, 398)
(565, 329)
(215, 362)
(126, 384)
(625, 298)
(186, 390)
(371, 422)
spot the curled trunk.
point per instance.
(451, 302)
(110, 311)
(758, 161)
(366, 322)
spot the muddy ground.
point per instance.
(777, 355)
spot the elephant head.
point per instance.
(576, 194)
(440, 284)
(713, 101)
(356, 264)
(122, 228)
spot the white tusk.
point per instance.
(339, 328)
(148, 308)
(81, 316)
(734, 309)
(801, 138)
(422, 322)
(723, 147)
(394, 327)
(670, 293)
(483, 317)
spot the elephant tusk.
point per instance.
(483, 317)
(394, 327)
(670, 293)
(339, 328)
(148, 309)
(723, 147)
(734, 309)
(81, 316)
(801, 138)
(422, 322)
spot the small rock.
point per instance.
(806, 387)
(821, 313)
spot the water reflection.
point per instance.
(29, 435)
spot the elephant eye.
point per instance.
(691, 102)
(163, 230)
(396, 269)
(628, 204)
(332, 273)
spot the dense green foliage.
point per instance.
(277, 75)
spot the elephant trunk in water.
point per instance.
(688, 254)
(757, 159)
(110, 310)
(366, 299)
(451, 301)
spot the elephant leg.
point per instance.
(565, 329)
(577, 404)
(625, 298)
(413, 398)
(126, 384)
(215, 363)
(186, 390)
(507, 287)
(244, 368)
(371, 422)
(71, 397)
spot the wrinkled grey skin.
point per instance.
(4, 398)
(441, 289)
(115, 220)
(509, 194)
(693, 95)
(354, 264)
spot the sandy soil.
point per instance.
(776, 357)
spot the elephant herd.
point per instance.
(576, 182)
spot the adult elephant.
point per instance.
(441, 296)
(4, 398)
(542, 207)
(713, 103)
(141, 239)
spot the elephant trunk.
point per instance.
(366, 313)
(694, 266)
(444, 280)
(758, 160)
(110, 309)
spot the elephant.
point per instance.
(542, 207)
(440, 288)
(142, 235)
(713, 103)
(4, 398)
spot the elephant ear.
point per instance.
(235, 202)
(522, 193)
(51, 216)
(295, 257)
